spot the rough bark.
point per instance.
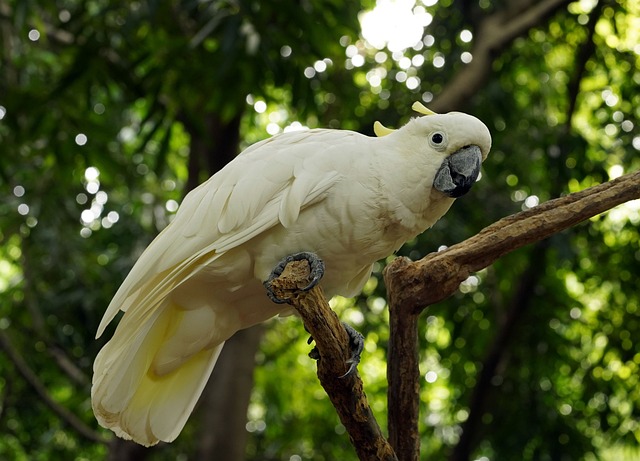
(403, 408)
(436, 276)
(346, 393)
(413, 286)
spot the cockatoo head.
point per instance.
(457, 142)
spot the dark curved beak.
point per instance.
(458, 172)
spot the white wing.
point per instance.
(148, 377)
(269, 183)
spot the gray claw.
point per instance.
(316, 268)
(356, 346)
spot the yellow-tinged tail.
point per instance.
(139, 399)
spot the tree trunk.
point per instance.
(123, 450)
(222, 411)
(214, 143)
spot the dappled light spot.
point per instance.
(92, 186)
(466, 36)
(101, 197)
(295, 126)
(285, 51)
(394, 25)
(171, 206)
(615, 171)
(413, 83)
(87, 216)
(34, 35)
(466, 57)
(18, 191)
(91, 173)
(23, 209)
(260, 106)
(81, 139)
(531, 201)
(81, 198)
(438, 61)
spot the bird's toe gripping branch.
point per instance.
(316, 271)
(287, 279)
(356, 346)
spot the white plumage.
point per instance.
(349, 198)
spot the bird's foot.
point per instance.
(356, 346)
(316, 271)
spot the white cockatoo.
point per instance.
(348, 198)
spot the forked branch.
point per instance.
(416, 285)
(413, 286)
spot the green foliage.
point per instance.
(99, 115)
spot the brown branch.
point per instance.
(583, 55)
(403, 376)
(32, 379)
(346, 394)
(67, 365)
(413, 286)
(436, 276)
(494, 33)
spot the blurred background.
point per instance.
(111, 110)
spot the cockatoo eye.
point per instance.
(437, 140)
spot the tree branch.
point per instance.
(346, 394)
(403, 376)
(436, 276)
(413, 286)
(493, 34)
(584, 53)
(32, 379)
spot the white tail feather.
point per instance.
(130, 396)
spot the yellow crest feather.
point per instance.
(422, 109)
(380, 130)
